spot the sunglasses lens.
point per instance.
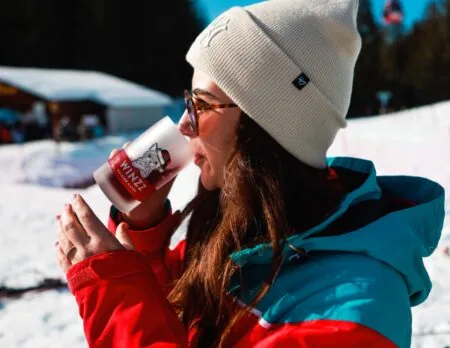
(191, 113)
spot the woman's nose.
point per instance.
(184, 125)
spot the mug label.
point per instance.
(133, 174)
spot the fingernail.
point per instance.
(74, 196)
(56, 244)
(58, 217)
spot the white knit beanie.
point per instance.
(289, 65)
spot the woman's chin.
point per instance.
(207, 184)
(207, 181)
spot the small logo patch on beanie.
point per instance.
(301, 81)
(215, 28)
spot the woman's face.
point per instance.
(217, 130)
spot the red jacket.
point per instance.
(122, 301)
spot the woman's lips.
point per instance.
(198, 159)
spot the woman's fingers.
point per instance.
(123, 237)
(63, 241)
(81, 234)
(72, 228)
(91, 223)
(63, 260)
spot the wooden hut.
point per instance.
(118, 104)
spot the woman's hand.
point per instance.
(81, 235)
(151, 211)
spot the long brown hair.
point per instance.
(267, 195)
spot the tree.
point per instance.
(143, 41)
(368, 77)
(426, 58)
(414, 66)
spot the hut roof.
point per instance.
(74, 85)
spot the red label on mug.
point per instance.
(130, 177)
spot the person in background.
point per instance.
(67, 129)
(5, 133)
(18, 133)
(284, 246)
(98, 131)
(83, 132)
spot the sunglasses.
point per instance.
(195, 104)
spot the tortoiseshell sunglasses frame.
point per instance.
(197, 104)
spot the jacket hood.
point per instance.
(401, 238)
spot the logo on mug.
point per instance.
(155, 158)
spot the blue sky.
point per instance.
(413, 9)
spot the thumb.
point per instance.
(123, 237)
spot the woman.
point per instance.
(284, 247)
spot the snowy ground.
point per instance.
(415, 142)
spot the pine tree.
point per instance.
(143, 41)
(367, 74)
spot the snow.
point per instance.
(415, 142)
(72, 85)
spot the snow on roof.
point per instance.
(71, 85)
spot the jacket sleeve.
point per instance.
(122, 294)
(121, 303)
(167, 264)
